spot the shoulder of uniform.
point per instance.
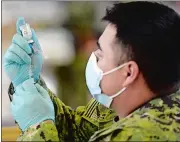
(95, 112)
(134, 132)
(90, 112)
(155, 120)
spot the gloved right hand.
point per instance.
(31, 105)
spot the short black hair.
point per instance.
(151, 30)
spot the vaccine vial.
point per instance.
(26, 32)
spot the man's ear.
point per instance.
(132, 72)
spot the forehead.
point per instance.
(109, 35)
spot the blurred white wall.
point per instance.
(57, 46)
(34, 11)
(100, 8)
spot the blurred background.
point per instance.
(67, 32)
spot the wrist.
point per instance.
(30, 80)
(17, 82)
(37, 125)
(21, 76)
(33, 124)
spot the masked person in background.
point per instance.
(136, 71)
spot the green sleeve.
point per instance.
(157, 120)
(138, 133)
(45, 131)
(74, 125)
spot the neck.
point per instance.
(129, 101)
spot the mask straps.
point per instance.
(115, 69)
(118, 93)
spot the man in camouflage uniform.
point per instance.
(146, 44)
(157, 120)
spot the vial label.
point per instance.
(26, 32)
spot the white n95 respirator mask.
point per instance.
(94, 76)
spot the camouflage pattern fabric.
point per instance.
(70, 125)
(157, 120)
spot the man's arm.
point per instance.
(45, 131)
(74, 125)
(70, 125)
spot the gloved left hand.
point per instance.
(17, 59)
(17, 62)
(31, 105)
(36, 55)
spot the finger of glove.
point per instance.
(42, 91)
(19, 23)
(11, 57)
(20, 53)
(22, 43)
(35, 39)
(29, 86)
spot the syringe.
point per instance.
(27, 34)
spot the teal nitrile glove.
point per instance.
(36, 56)
(31, 105)
(17, 62)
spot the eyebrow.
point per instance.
(98, 45)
